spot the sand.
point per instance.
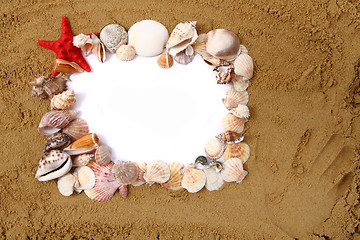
(304, 130)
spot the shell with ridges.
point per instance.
(200, 46)
(233, 171)
(85, 176)
(244, 66)
(66, 184)
(243, 49)
(54, 121)
(53, 164)
(214, 148)
(157, 172)
(123, 191)
(183, 58)
(230, 137)
(214, 62)
(193, 179)
(223, 44)
(83, 159)
(232, 123)
(240, 83)
(112, 36)
(214, 181)
(225, 77)
(57, 141)
(84, 42)
(165, 60)
(76, 129)
(85, 144)
(241, 111)
(63, 100)
(183, 35)
(126, 53)
(45, 87)
(65, 66)
(174, 182)
(234, 98)
(125, 172)
(237, 150)
(103, 155)
(140, 178)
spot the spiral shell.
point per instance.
(233, 171)
(234, 98)
(237, 150)
(174, 182)
(194, 179)
(112, 36)
(183, 35)
(223, 44)
(125, 53)
(63, 100)
(244, 66)
(232, 123)
(165, 60)
(83, 159)
(214, 149)
(76, 129)
(157, 172)
(125, 172)
(103, 155)
(54, 121)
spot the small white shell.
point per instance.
(233, 171)
(157, 172)
(241, 111)
(66, 184)
(214, 148)
(193, 179)
(244, 66)
(234, 98)
(214, 181)
(125, 53)
(86, 177)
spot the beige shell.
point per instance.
(85, 176)
(230, 137)
(86, 144)
(125, 172)
(183, 35)
(45, 87)
(83, 159)
(66, 184)
(193, 179)
(54, 121)
(98, 48)
(53, 164)
(113, 36)
(126, 53)
(214, 61)
(237, 150)
(157, 172)
(233, 171)
(84, 42)
(244, 66)
(64, 66)
(103, 155)
(241, 111)
(174, 182)
(223, 44)
(234, 98)
(76, 129)
(64, 100)
(183, 59)
(240, 83)
(214, 149)
(140, 178)
(214, 181)
(200, 46)
(165, 60)
(232, 123)
(243, 49)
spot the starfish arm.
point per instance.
(65, 29)
(47, 44)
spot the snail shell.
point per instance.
(64, 100)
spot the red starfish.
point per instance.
(64, 47)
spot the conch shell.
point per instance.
(86, 144)
(183, 36)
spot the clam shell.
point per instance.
(240, 83)
(103, 155)
(53, 164)
(234, 98)
(165, 60)
(54, 121)
(241, 111)
(64, 66)
(45, 87)
(183, 35)
(214, 181)
(230, 137)
(183, 58)
(237, 150)
(85, 144)
(157, 172)
(214, 149)
(232, 123)
(193, 179)
(82, 159)
(85, 176)
(98, 48)
(223, 44)
(66, 184)
(112, 36)
(76, 129)
(233, 171)
(174, 182)
(200, 46)
(56, 141)
(244, 66)
(140, 178)
(63, 100)
(125, 172)
(126, 53)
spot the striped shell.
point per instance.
(240, 83)
(225, 77)
(241, 111)
(82, 159)
(233, 171)
(125, 172)
(194, 179)
(214, 181)
(86, 144)
(165, 60)
(125, 53)
(103, 155)
(200, 46)
(214, 148)
(234, 98)
(232, 123)
(85, 176)
(244, 66)
(174, 182)
(157, 172)
(237, 150)
(76, 129)
(64, 100)
(243, 49)
(54, 121)
(66, 184)
(140, 178)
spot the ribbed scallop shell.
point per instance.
(54, 121)
(233, 171)
(183, 58)
(64, 100)
(85, 144)
(57, 141)
(240, 83)
(125, 172)
(237, 150)
(200, 46)
(66, 184)
(174, 182)
(85, 176)
(157, 172)
(214, 181)
(232, 123)
(103, 155)
(123, 191)
(243, 49)
(140, 178)
(183, 35)
(241, 111)
(230, 137)
(126, 53)
(112, 36)
(193, 179)
(76, 129)
(165, 60)
(244, 66)
(214, 148)
(234, 98)
(83, 159)
(223, 44)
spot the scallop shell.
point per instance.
(105, 183)
(123, 191)
(157, 172)
(223, 44)
(237, 150)
(112, 36)
(233, 171)
(214, 148)
(83, 159)
(241, 111)
(103, 155)
(165, 60)
(243, 49)
(84, 42)
(125, 53)
(65, 66)
(63, 100)
(234, 98)
(232, 123)
(230, 137)
(183, 58)
(244, 66)
(240, 83)
(200, 46)
(98, 48)
(140, 178)
(66, 184)
(194, 179)
(214, 181)
(183, 35)
(86, 144)
(53, 164)
(45, 87)
(174, 182)
(56, 141)
(125, 172)
(54, 121)
(76, 129)
(85, 176)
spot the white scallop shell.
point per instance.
(240, 83)
(126, 53)
(214, 148)
(232, 123)
(244, 66)
(214, 181)
(157, 172)
(86, 177)
(66, 184)
(234, 98)
(241, 111)
(233, 171)
(193, 179)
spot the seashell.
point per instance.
(84, 42)
(76, 129)
(244, 66)
(85, 176)
(243, 49)
(125, 172)
(230, 137)
(214, 148)
(66, 184)
(125, 53)
(140, 178)
(193, 179)
(200, 46)
(98, 48)
(157, 172)
(241, 111)
(105, 183)
(233, 171)
(45, 87)
(54, 121)
(174, 182)
(232, 123)
(216, 165)
(148, 37)
(82, 159)
(123, 191)
(85, 144)
(214, 181)
(201, 161)
(189, 51)
(223, 44)
(183, 58)
(63, 100)
(237, 150)
(103, 155)
(234, 98)
(56, 141)
(65, 66)
(183, 35)
(215, 62)
(240, 83)
(165, 60)
(225, 77)
(112, 36)
(53, 164)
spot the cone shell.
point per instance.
(244, 66)
(125, 53)
(53, 164)
(66, 184)
(54, 121)
(165, 60)
(85, 176)
(183, 35)
(230, 137)
(183, 58)
(237, 150)
(174, 182)
(112, 36)
(157, 172)
(214, 181)
(241, 111)
(223, 44)
(86, 144)
(232, 123)
(140, 178)
(76, 129)
(234, 98)
(57, 141)
(125, 172)
(103, 155)
(64, 100)
(194, 179)
(240, 83)
(233, 171)
(83, 159)
(65, 66)
(214, 149)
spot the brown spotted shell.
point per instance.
(54, 121)
(165, 60)
(57, 141)
(76, 129)
(125, 172)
